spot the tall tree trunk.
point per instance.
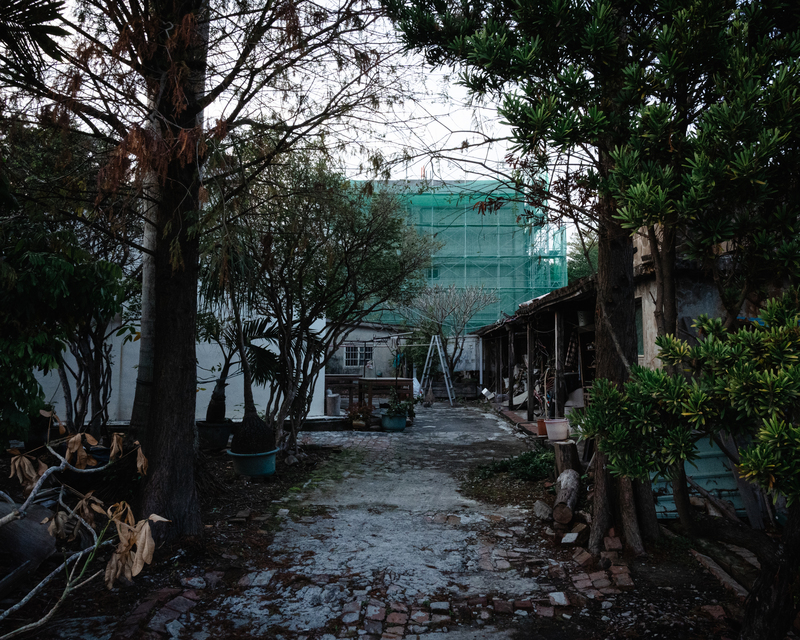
(615, 341)
(646, 510)
(772, 604)
(601, 504)
(630, 521)
(170, 435)
(171, 432)
(680, 494)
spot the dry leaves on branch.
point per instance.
(88, 507)
(22, 468)
(135, 547)
(52, 414)
(75, 448)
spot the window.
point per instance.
(432, 273)
(357, 356)
(639, 328)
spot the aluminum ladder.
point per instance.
(427, 378)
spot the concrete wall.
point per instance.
(695, 297)
(382, 354)
(125, 359)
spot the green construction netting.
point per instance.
(516, 255)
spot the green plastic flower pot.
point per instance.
(255, 465)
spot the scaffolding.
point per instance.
(511, 250)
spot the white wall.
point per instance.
(125, 359)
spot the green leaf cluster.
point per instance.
(742, 383)
(49, 286)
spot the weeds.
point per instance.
(531, 465)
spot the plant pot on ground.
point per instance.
(396, 412)
(253, 447)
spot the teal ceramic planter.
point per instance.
(393, 423)
(255, 465)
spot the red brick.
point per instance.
(545, 612)
(623, 580)
(478, 602)
(523, 604)
(180, 604)
(502, 606)
(420, 617)
(397, 618)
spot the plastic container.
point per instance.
(557, 429)
(255, 465)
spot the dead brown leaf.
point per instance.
(74, 447)
(116, 446)
(141, 462)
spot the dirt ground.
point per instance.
(673, 597)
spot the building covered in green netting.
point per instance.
(510, 249)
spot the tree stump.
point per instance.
(567, 457)
(567, 487)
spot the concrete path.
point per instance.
(395, 550)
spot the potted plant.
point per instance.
(215, 430)
(359, 415)
(396, 412)
(254, 445)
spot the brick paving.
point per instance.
(363, 598)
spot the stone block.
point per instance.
(558, 599)
(545, 612)
(440, 619)
(440, 606)
(602, 583)
(570, 539)
(349, 618)
(542, 511)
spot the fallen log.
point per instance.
(567, 487)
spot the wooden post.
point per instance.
(567, 457)
(498, 365)
(529, 346)
(510, 368)
(567, 487)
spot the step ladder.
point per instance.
(427, 378)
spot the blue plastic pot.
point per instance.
(255, 465)
(393, 423)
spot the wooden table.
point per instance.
(366, 386)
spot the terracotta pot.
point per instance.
(541, 427)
